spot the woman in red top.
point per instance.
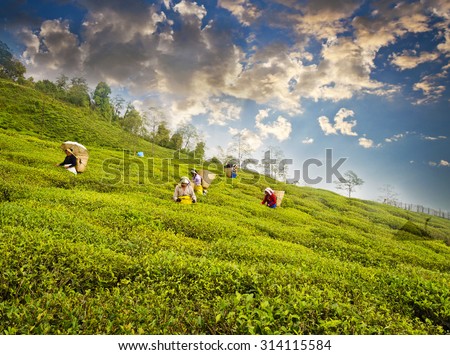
(270, 198)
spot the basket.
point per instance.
(81, 164)
(207, 178)
(228, 172)
(279, 195)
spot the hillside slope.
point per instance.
(108, 252)
(31, 112)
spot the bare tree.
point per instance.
(224, 155)
(241, 148)
(278, 166)
(118, 104)
(351, 180)
(189, 134)
(388, 195)
(153, 117)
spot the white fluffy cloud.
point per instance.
(251, 139)
(308, 140)
(280, 128)
(343, 72)
(222, 112)
(186, 8)
(410, 59)
(365, 142)
(265, 78)
(326, 126)
(340, 125)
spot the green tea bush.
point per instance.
(87, 255)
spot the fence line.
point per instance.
(419, 208)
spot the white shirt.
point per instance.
(197, 180)
(184, 191)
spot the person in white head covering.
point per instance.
(184, 188)
(70, 161)
(269, 198)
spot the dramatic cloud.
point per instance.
(187, 58)
(54, 49)
(387, 23)
(340, 125)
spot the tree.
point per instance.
(277, 169)
(162, 136)
(102, 100)
(10, 68)
(199, 151)
(132, 120)
(78, 93)
(241, 148)
(388, 195)
(26, 82)
(225, 157)
(47, 87)
(349, 183)
(176, 141)
(189, 134)
(62, 83)
(117, 103)
(153, 118)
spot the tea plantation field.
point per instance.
(108, 252)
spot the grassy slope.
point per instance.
(83, 256)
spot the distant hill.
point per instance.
(109, 252)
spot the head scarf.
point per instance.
(268, 190)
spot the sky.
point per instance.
(366, 79)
